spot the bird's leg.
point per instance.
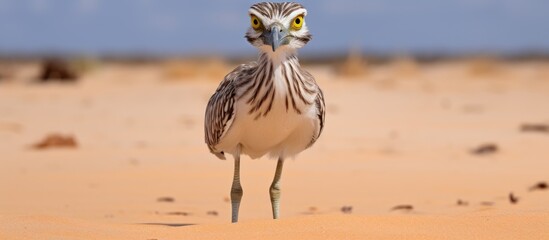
(275, 188)
(236, 190)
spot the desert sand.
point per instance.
(398, 134)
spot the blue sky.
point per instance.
(215, 26)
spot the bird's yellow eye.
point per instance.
(256, 23)
(297, 23)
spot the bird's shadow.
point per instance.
(168, 224)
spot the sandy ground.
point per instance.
(399, 135)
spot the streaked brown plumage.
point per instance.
(272, 106)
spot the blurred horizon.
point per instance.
(170, 27)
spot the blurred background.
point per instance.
(169, 27)
(433, 107)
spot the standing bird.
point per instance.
(272, 106)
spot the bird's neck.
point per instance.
(270, 63)
(279, 57)
(278, 77)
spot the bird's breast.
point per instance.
(283, 126)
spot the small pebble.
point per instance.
(539, 186)
(179, 213)
(347, 209)
(403, 208)
(513, 199)
(166, 199)
(485, 149)
(462, 203)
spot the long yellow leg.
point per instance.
(275, 189)
(236, 190)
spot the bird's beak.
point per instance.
(277, 36)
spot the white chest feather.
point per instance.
(283, 125)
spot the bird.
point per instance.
(270, 107)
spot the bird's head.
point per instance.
(278, 26)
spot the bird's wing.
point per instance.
(220, 111)
(320, 107)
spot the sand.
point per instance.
(473, 226)
(395, 136)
